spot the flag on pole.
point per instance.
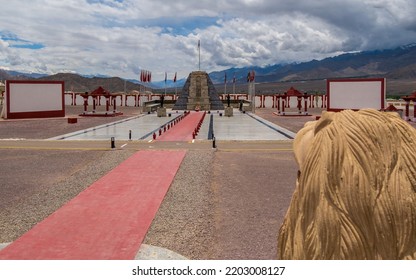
(166, 77)
(250, 76)
(199, 55)
(174, 78)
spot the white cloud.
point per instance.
(121, 37)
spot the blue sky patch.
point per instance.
(179, 25)
(105, 2)
(16, 42)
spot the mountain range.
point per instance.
(394, 64)
(397, 63)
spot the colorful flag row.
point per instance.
(145, 76)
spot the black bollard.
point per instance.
(113, 143)
(129, 134)
(213, 143)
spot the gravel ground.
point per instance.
(184, 222)
(222, 206)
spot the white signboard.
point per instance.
(356, 94)
(34, 99)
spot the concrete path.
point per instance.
(109, 219)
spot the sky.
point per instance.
(122, 37)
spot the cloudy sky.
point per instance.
(121, 37)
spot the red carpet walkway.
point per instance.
(183, 130)
(109, 219)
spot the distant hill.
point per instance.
(394, 64)
(75, 82)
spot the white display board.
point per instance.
(34, 99)
(356, 94)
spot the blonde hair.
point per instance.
(355, 197)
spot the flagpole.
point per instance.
(234, 84)
(176, 88)
(166, 76)
(225, 83)
(199, 55)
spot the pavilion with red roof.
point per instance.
(96, 96)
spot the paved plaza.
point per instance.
(226, 202)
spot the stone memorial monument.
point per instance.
(355, 196)
(198, 93)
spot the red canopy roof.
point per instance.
(293, 92)
(100, 91)
(410, 97)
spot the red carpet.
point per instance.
(108, 220)
(183, 130)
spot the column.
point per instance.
(299, 104)
(278, 104)
(85, 104)
(406, 112)
(107, 104)
(306, 104)
(94, 105)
